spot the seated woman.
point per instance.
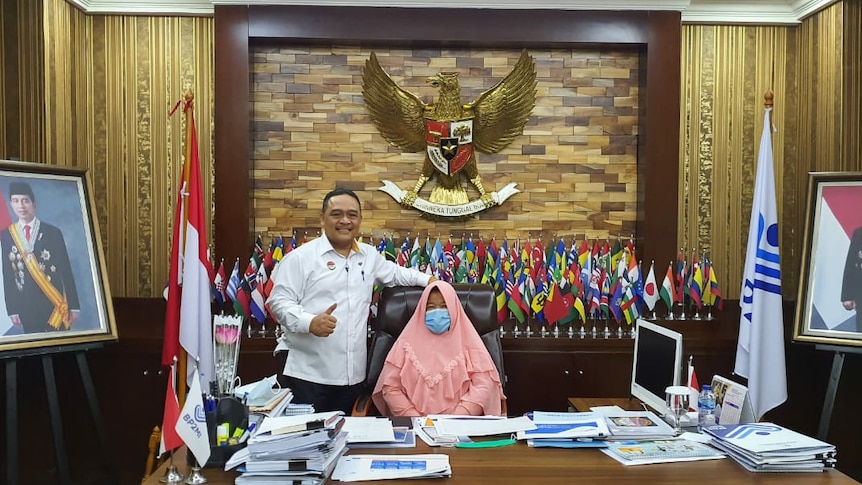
(439, 364)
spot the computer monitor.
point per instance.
(657, 363)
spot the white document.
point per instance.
(607, 409)
(566, 426)
(425, 430)
(481, 426)
(368, 429)
(278, 422)
(352, 468)
(731, 408)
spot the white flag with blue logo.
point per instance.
(192, 425)
(760, 349)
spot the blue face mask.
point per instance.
(437, 320)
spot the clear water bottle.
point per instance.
(706, 407)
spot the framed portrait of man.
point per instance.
(829, 304)
(54, 287)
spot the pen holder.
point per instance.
(232, 413)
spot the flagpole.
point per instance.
(172, 474)
(760, 354)
(182, 367)
(768, 103)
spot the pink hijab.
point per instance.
(436, 371)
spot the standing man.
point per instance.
(851, 289)
(321, 296)
(37, 277)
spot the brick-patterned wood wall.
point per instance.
(576, 163)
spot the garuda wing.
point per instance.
(397, 113)
(501, 112)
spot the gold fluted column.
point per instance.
(725, 72)
(111, 81)
(22, 81)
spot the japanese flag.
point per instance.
(651, 288)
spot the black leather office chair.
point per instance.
(394, 309)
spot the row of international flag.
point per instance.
(247, 292)
(557, 283)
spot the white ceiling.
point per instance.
(771, 12)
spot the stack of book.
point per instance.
(768, 447)
(288, 448)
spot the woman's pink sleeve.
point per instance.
(394, 395)
(481, 396)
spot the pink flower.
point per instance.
(226, 334)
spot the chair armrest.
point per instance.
(363, 406)
(152, 451)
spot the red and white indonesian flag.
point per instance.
(693, 388)
(839, 216)
(188, 319)
(170, 439)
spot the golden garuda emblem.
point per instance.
(450, 132)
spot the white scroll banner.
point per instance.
(460, 210)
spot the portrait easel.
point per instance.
(832, 387)
(47, 357)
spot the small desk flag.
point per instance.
(192, 425)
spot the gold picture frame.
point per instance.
(55, 287)
(831, 279)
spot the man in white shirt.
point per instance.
(321, 296)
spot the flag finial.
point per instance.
(768, 103)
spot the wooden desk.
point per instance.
(519, 464)
(583, 404)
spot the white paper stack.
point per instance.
(561, 427)
(374, 432)
(352, 468)
(768, 447)
(644, 452)
(288, 448)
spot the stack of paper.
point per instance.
(373, 432)
(768, 447)
(295, 409)
(352, 468)
(275, 406)
(448, 430)
(292, 448)
(427, 432)
(566, 430)
(643, 452)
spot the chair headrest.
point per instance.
(397, 304)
